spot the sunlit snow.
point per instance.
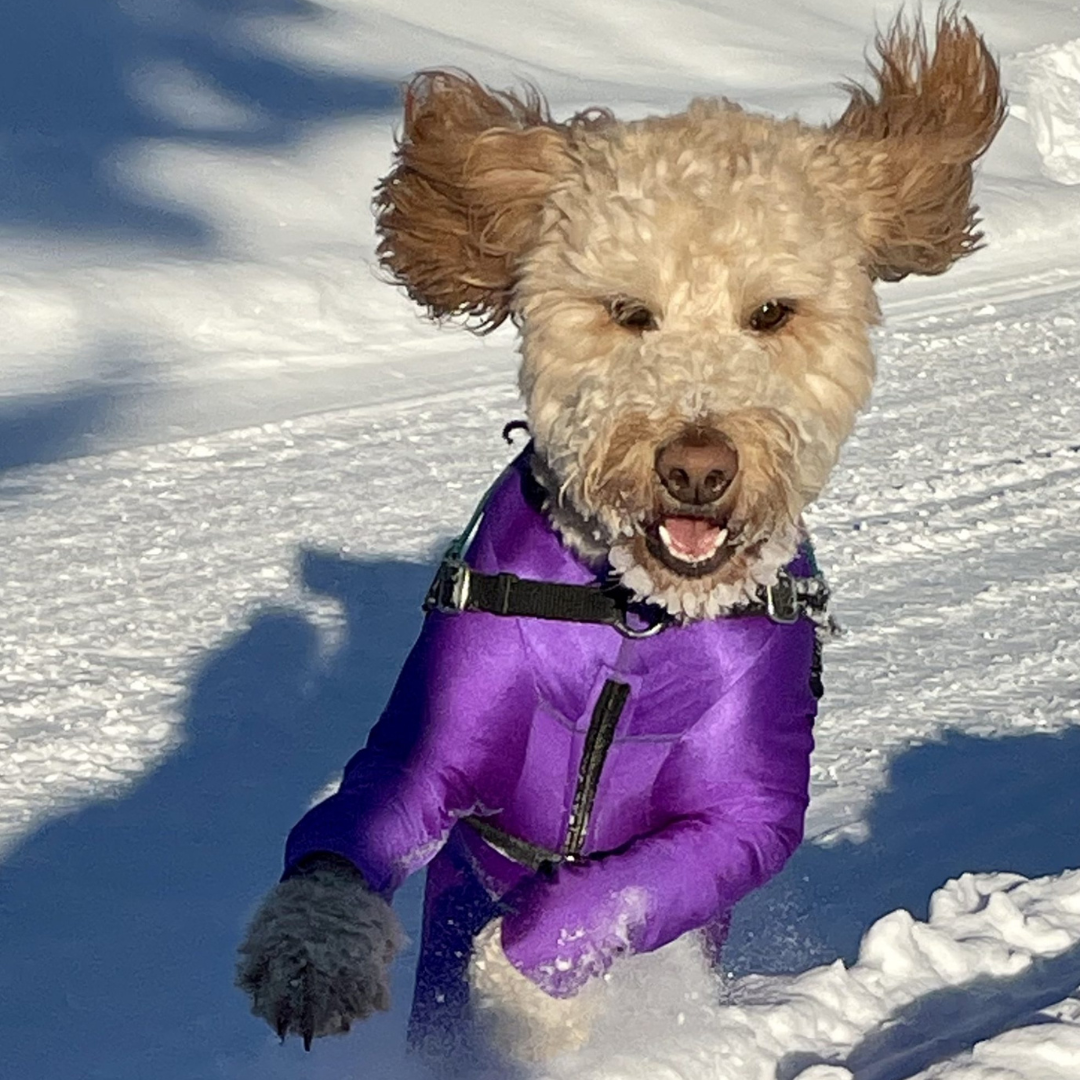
(229, 452)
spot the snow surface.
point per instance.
(228, 454)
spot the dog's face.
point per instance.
(694, 325)
(694, 292)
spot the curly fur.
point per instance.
(473, 170)
(316, 954)
(911, 145)
(515, 1015)
(493, 209)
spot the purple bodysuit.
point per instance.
(687, 755)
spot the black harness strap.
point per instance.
(533, 856)
(507, 594)
(457, 587)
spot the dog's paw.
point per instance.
(515, 1015)
(317, 953)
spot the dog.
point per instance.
(602, 737)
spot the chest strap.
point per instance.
(457, 587)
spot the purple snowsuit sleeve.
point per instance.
(401, 795)
(734, 793)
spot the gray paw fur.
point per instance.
(316, 954)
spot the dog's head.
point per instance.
(694, 292)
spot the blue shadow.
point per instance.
(946, 1023)
(48, 427)
(120, 921)
(40, 428)
(963, 804)
(67, 105)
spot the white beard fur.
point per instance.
(687, 603)
(585, 539)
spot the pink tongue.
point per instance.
(692, 536)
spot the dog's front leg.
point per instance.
(515, 1015)
(317, 952)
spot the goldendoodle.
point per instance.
(601, 740)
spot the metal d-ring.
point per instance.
(651, 630)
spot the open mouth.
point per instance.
(690, 546)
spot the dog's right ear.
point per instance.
(464, 199)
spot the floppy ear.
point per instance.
(908, 146)
(463, 202)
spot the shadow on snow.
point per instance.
(40, 428)
(950, 1021)
(70, 101)
(120, 921)
(47, 427)
(964, 804)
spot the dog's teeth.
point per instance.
(665, 537)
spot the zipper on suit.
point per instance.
(605, 717)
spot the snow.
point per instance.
(1051, 78)
(993, 945)
(229, 452)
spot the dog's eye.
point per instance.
(772, 315)
(630, 314)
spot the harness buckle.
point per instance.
(450, 589)
(782, 600)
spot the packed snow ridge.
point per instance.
(995, 945)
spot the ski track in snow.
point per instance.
(203, 612)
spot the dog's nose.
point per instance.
(697, 467)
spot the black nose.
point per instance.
(697, 467)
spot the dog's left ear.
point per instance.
(907, 150)
(463, 202)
